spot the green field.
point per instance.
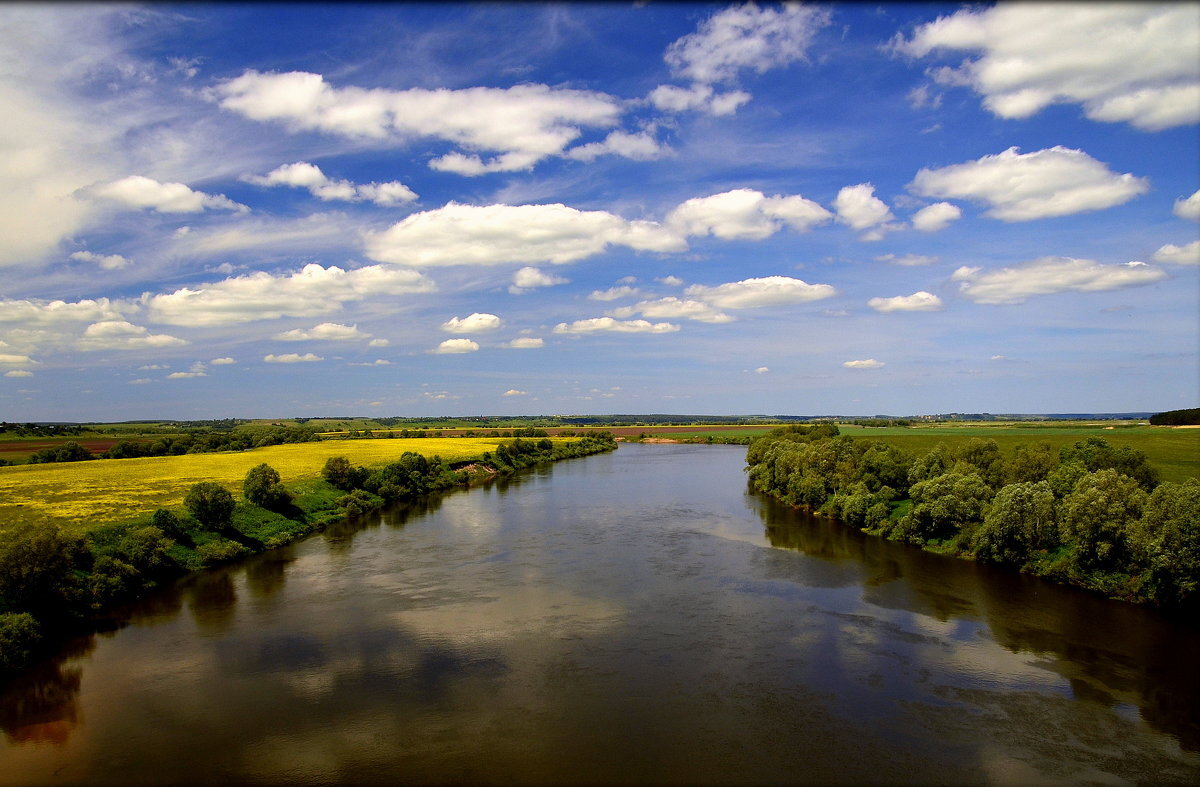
(81, 496)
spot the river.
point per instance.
(634, 617)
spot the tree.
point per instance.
(263, 488)
(211, 505)
(1032, 462)
(1169, 533)
(1098, 518)
(38, 564)
(945, 505)
(1095, 453)
(1021, 520)
(340, 473)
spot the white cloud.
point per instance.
(39, 312)
(609, 325)
(138, 191)
(325, 332)
(1188, 208)
(1123, 62)
(122, 335)
(614, 293)
(745, 37)
(109, 262)
(475, 323)
(527, 343)
(301, 236)
(761, 370)
(1179, 255)
(670, 281)
(917, 302)
(309, 176)
(759, 292)
(377, 362)
(18, 373)
(222, 361)
(671, 98)
(936, 217)
(185, 375)
(499, 234)
(522, 124)
(1057, 181)
(907, 260)
(141, 381)
(671, 307)
(639, 147)
(859, 208)
(868, 363)
(10, 359)
(379, 343)
(515, 392)
(312, 291)
(745, 214)
(1050, 275)
(529, 278)
(292, 358)
(453, 346)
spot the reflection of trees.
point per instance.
(267, 574)
(39, 706)
(1109, 652)
(212, 600)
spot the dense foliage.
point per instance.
(1190, 417)
(1089, 514)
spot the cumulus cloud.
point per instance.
(759, 292)
(12, 359)
(499, 234)
(1179, 255)
(745, 37)
(522, 124)
(1189, 207)
(868, 363)
(698, 97)
(1050, 275)
(745, 214)
(639, 147)
(311, 291)
(936, 217)
(292, 358)
(138, 191)
(35, 312)
(526, 343)
(18, 373)
(614, 293)
(609, 325)
(671, 307)
(309, 176)
(1057, 181)
(909, 260)
(123, 335)
(109, 262)
(761, 370)
(1123, 62)
(453, 346)
(514, 392)
(379, 343)
(222, 361)
(325, 332)
(529, 278)
(859, 208)
(917, 302)
(475, 323)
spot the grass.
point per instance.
(81, 496)
(1175, 453)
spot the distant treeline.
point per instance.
(1177, 418)
(54, 581)
(409, 434)
(41, 430)
(1089, 514)
(196, 442)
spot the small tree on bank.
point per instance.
(262, 487)
(211, 505)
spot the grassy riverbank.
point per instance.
(79, 537)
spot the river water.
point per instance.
(635, 617)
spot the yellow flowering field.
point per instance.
(81, 495)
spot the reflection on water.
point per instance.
(616, 619)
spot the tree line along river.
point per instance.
(634, 617)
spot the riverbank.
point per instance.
(54, 581)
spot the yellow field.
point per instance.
(81, 495)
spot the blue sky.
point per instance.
(269, 211)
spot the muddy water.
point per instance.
(635, 617)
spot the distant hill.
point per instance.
(1177, 418)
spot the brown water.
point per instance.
(634, 617)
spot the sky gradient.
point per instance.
(214, 211)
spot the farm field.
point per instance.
(82, 495)
(1174, 452)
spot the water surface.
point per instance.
(635, 617)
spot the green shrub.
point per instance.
(38, 566)
(211, 504)
(220, 551)
(19, 638)
(262, 487)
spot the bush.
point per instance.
(944, 505)
(1098, 518)
(220, 551)
(1021, 520)
(263, 488)
(340, 473)
(37, 568)
(1169, 533)
(358, 502)
(19, 637)
(211, 505)
(168, 523)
